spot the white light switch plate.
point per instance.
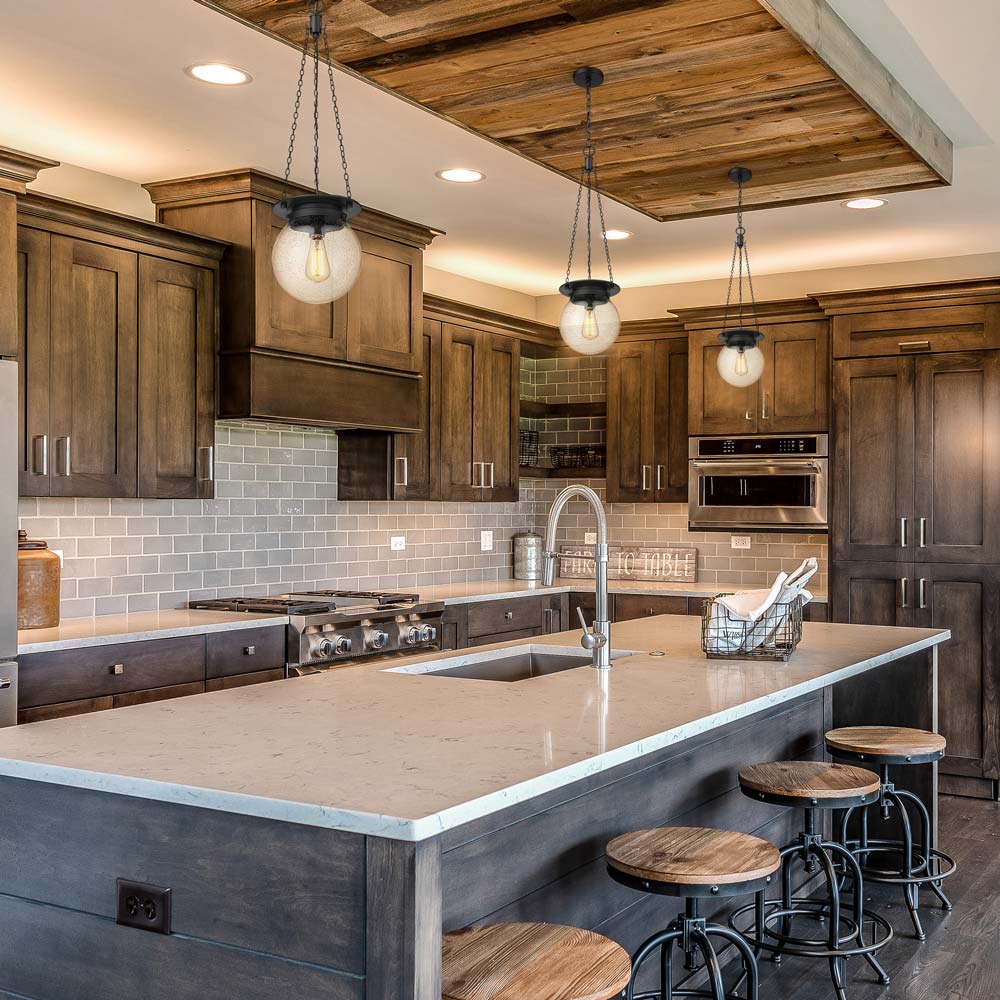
(397, 543)
(590, 538)
(486, 541)
(740, 541)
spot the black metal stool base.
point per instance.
(693, 935)
(772, 927)
(914, 863)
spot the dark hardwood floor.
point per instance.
(960, 960)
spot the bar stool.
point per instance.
(813, 786)
(888, 746)
(693, 863)
(531, 962)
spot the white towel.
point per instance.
(749, 605)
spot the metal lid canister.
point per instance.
(38, 572)
(528, 551)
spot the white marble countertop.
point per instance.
(407, 756)
(106, 629)
(466, 593)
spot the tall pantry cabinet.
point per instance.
(915, 536)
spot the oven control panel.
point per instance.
(812, 445)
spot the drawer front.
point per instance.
(244, 680)
(63, 710)
(486, 640)
(98, 671)
(157, 694)
(814, 612)
(245, 651)
(631, 606)
(515, 615)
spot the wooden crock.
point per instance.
(38, 571)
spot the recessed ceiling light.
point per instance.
(864, 203)
(219, 74)
(461, 175)
(618, 234)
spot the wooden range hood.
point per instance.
(352, 363)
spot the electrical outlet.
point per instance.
(590, 538)
(739, 541)
(486, 541)
(146, 907)
(397, 543)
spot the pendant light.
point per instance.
(741, 362)
(316, 257)
(589, 323)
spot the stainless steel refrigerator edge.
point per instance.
(8, 546)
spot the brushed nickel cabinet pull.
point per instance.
(659, 477)
(763, 406)
(645, 477)
(117, 669)
(207, 458)
(5, 682)
(64, 465)
(922, 593)
(904, 599)
(509, 615)
(922, 532)
(492, 479)
(914, 345)
(40, 455)
(249, 650)
(478, 483)
(902, 532)
(402, 471)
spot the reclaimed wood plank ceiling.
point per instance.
(693, 87)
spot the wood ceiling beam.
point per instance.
(819, 28)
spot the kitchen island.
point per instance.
(318, 833)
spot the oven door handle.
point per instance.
(749, 468)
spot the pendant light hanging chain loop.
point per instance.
(741, 258)
(336, 115)
(576, 223)
(295, 113)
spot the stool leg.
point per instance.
(665, 938)
(910, 891)
(750, 972)
(691, 912)
(667, 970)
(925, 831)
(712, 966)
(838, 965)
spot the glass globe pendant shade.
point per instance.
(589, 328)
(741, 366)
(316, 268)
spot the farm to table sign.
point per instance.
(643, 563)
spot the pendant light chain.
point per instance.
(295, 113)
(741, 257)
(316, 113)
(336, 115)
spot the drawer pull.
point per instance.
(249, 650)
(5, 682)
(914, 345)
(117, 669)
(509, 615)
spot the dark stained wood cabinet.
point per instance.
(480, 405)
(792, 395)
(647, 421)
(117, 322)
(628, 607)
(872, 593)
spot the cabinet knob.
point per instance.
(509, 615)
(249, 650)
(117, 669)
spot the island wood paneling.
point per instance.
(693, 88)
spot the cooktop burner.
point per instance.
(368, 598)
(284, 605)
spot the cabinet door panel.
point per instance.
(459, 347)
(872, 593)
(383, 308)
(34, 442)
(628, 607)
(966, 600)
(631, 455)
(497, 415)
(176, 378)
(670, 366)
(794, 386)
(283, 322)
(416, 472)
(94, 373)
(957, 484)
(715, 406)
(873, 459)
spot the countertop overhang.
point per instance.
(406, 756)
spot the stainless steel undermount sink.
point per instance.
(515, 663)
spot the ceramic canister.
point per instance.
(38, 571)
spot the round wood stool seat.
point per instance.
(692, 857)
(532, 962)
(810, 783)
(887, 744)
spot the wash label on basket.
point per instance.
(632, 562)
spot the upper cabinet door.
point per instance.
(957, 465)
(461, 468)
(416, 471)
(631, 426)
(176, 378)
(872, 509)
(497, 415)
(384, 321)
(794, 395)
(715, 406)
(93, 366)
(670, 433)
(283, 323)
(34, 441)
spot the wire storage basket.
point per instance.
(773, 636)
(529, 453)
(578, 456)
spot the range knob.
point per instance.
(378, 639)
(416, 634)
(336, 646)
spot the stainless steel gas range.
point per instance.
(330, 627)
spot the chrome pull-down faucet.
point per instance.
(598, 638)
